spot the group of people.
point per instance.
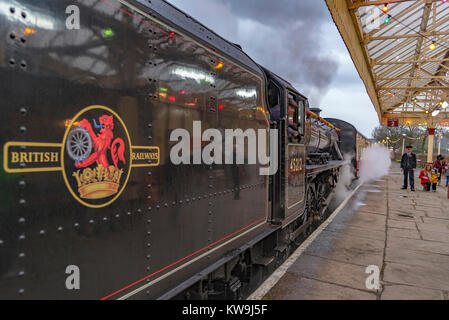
(431, 174)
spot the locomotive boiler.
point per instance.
(322, 145)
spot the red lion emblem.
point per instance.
(102, 143)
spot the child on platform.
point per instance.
(425, 176)
(434, 179)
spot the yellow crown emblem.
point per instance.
(98, 183)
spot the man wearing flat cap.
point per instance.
(408, 166)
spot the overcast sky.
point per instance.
(296, 39)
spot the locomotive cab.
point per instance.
(287, 115)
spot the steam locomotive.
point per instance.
(92, 207)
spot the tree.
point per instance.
(395, 135)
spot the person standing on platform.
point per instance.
(408, 166)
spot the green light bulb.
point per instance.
(108, 32)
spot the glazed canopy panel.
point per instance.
(402, 56)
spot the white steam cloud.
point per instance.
(374, 163)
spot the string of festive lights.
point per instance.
(432, 46)
(399, 139)
(389, 17)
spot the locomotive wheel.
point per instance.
(320, 194)
(311, 203)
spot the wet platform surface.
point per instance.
(404, 233)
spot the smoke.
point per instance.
(287, 36)
(374, 163)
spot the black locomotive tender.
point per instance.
(87, 184)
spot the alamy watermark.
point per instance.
(372, 282)
(73, 20)
(72, 282)
(372, 18)
(189, 150)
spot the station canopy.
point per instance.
(401, 51)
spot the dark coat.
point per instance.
(408, 163)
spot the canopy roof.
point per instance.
(406, 77)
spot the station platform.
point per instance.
(404, 233)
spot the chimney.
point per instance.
(316, 111)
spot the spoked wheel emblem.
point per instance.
(79, 144)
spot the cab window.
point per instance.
(295, 117)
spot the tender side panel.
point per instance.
(160, 218)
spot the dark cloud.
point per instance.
(285, 36)
(279, 13)
(293, 43)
